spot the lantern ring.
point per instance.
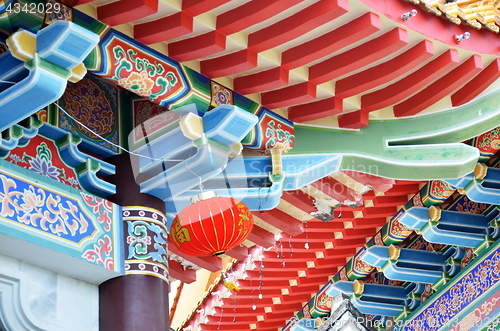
(203, 196)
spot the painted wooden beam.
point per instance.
(410, 84)
(316, 110)
(78, 2)
(211, 263)
(317, 226)
(261, 237)
(288, 96)
(339, 252)
(385, 72)
(300, 200)
(402, 189)
(441, 88)
(331, 42)
(349, 243)
(377, 212)
(358, 233)
(330, 262)
(251, 13)
(274, 325)
(361, 223)
(477, 85)
(230, 303)
(239, 252)
(317, 280)
(297, 25)
(229, 64)
(295, 256)
(198, 7)
(278, 266)
(261, 81)
(176, 270)
(281, 220)
(283, 275)
(164, 29)
(247, 284)
(358, 57)
(384, 201)
(197, 47)
(125, 11)
(317, 237)
(354, 120)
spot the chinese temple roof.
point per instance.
(477, 14)
(333, 64)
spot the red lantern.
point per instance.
(211, 225)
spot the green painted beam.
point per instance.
(425, 147)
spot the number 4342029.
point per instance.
(34, 8)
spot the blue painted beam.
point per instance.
(61, 46)
(407, 264)
(448, 227)
(374, 299)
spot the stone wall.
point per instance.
(36, 299)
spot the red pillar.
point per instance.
(139, 300)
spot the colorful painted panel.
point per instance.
(146, 236)
(41, 155)
(459, 295)
(465, 205)
(396, 231)
(141, 70)
(59, 12)
(271, 131)
(488, 143)
(94, 104)
(74, 223)
(220, 95)
(437, 192)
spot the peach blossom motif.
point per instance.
(138, 83)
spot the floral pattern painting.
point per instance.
(220, 95)
(41, 155)
(459, 296)
(93, 108)
(78, 224)
(146, 237)
(465, 205)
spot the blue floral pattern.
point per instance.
(457, 298)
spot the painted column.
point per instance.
(138, 300)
